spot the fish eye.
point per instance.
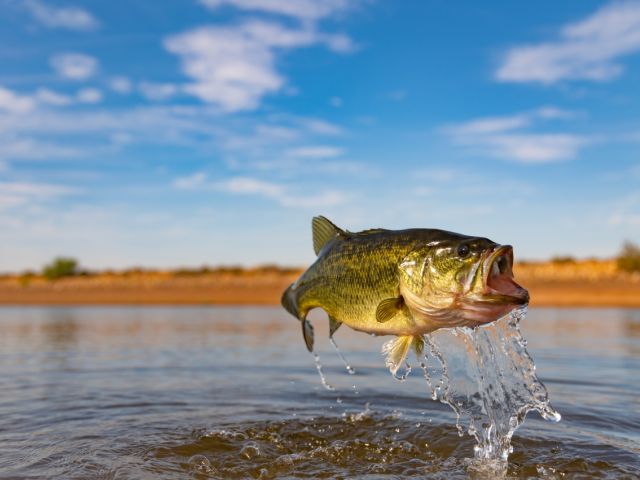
(463, 250)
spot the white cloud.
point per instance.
(234, 67)
(49, 97)
(316, 151)
(534, 148)
(277, 192)
(14, 194)
(508, 137)
(586, 50)
(74, 66)
(190, 182)
(15, 103)
(244, 144)
(489, 125)
(121, 84)
(71, 18)
(32, 149)
(251, 186)
(321, 127)
(89, 95)
(157, 91)
(306, 10)
(256, 187)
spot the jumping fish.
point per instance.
(405, 283)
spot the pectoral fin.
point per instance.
(307, 334)
(389, 308)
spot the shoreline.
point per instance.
(263, 291)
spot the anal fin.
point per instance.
(396, 350)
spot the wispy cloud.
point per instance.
(157, 91)
(89, 95)
(121, 84)
(316, 151)
(191, 182)
(33, 149)
(279, 193)
(585, 50)
(70, 18)
(305, 10)
(49, 97)
(278, 143)
(282, 194)
(510, 138)
(235, 66)
(15, 194)
(15, 103)
(74, 66)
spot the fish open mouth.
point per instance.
(498, 278)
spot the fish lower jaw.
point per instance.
(479, 313)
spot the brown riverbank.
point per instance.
(587, 283)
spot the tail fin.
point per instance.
(396, 350)
(289, 301)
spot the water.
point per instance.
(232, 393)
(488, 378)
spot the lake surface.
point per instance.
(233, 393)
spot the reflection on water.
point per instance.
(232, 393)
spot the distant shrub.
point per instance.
(629, 258)
(563, 259)
(60, 267)
(26, 277)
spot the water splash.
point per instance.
(323, 379)
(347, 365)
(488, 378)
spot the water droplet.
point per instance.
(250, 450)
(325, 384)
(200, 464)
(349, 368)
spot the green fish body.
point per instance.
(405, 283)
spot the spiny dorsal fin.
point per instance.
(388, 308)
(323, 231)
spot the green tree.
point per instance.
(60, 267)
(629, 258)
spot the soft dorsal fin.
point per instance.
(323, 231)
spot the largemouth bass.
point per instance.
(403, 282)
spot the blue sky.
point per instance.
(179, 133)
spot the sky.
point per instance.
(166, 133)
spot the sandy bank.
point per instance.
(582, 284)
